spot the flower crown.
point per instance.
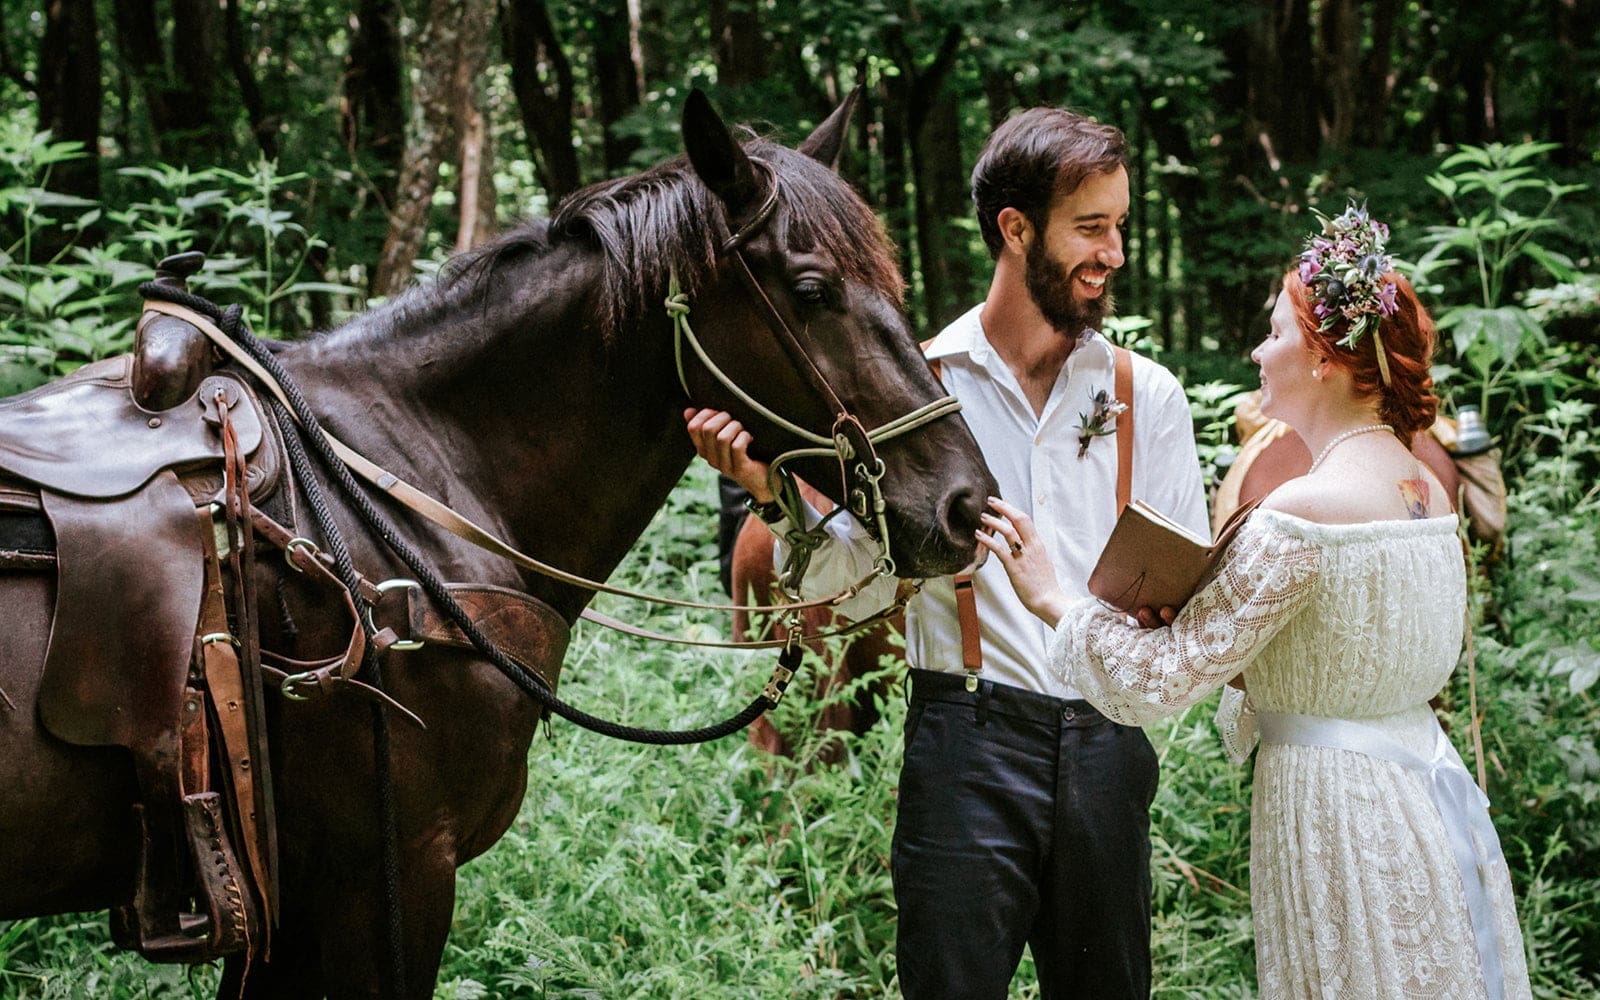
(1343, 268)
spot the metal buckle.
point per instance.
(290, 688)
(401, 645)
(298, 542)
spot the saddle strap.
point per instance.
(525, 628)
(241, 560)
(216, 655)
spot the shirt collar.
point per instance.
(965, 336)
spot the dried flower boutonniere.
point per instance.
(1100, 420)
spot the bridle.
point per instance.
(861, 471)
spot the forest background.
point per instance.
(327, 154)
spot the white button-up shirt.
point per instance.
(1072, 500)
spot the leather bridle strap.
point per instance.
(448, 518)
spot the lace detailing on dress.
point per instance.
(1355, 891)
(1136, 676)
(1236, 722)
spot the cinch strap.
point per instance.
(1461, 804)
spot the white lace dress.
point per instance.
(1355, 889)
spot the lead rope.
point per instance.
(298, 409)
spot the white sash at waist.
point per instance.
(1462, 807)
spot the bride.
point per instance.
(1375, 871)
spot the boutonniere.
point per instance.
(1100, 420)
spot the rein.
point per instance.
(163, 300)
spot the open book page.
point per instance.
(1169, 523)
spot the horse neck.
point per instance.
(521, 419)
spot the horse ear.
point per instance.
(715, 155)
(826, 143)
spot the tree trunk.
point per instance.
(199, 123)
(374, 119)
(1281, 95)
(541, 76)
(616, 80)
(653, 59)
(70, 91)
(144, 61)
(1339, 51)
(933, 125)
(736, 43)
(263, 126)
(943, 196)
(1577, 24)
(1376, 86)
(446, 44)
(477, 184)
(892, 148)
(475, 196)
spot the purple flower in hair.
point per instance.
(1386, 298)
(1344, 267)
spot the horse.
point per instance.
(534, 387)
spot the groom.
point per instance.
(1023, 812)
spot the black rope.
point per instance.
(372, 665)
(233, 326)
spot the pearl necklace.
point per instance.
(1339, 439)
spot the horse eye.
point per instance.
(811, 291)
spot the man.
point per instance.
(1023, 812)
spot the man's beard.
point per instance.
(1050, 287)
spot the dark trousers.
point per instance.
(1023, 819)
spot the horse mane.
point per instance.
(664, 220)
(651, 224)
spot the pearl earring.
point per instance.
(1316, 373)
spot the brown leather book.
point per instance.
(1151, 561)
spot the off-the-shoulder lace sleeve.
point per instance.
(1136, 675)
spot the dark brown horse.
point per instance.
(534, 389)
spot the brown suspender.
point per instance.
(966, 596)
(1123, 382)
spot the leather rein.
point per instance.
(861, 470)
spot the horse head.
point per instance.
(802, 312)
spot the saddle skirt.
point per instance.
(119, 486)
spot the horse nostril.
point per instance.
(961, 516)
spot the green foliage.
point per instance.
(79, 304)
(1505, 216)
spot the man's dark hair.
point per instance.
(1033, 157)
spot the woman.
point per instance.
(1374, 869)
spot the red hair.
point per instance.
(1407, 404)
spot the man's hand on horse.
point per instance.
(724, 443)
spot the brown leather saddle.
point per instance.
(117, 478)
(125, 494)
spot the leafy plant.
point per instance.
(1505, 211)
